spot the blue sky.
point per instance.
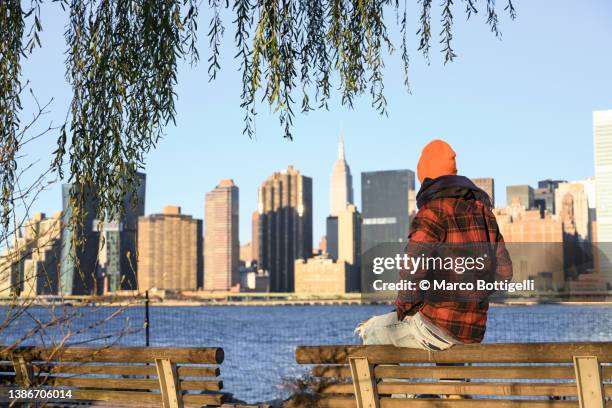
(518, 110)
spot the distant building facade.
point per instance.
(544, 200)
(535, 244)
(386, 206)
(254, 236)
(322, 249)
(169, 251)
(128, 241)
(80, 271)
(282, 229)
(544, 196)
(602, 135)
(349, 235)
(331, 236)
(254, 280)
(592, 286)
(41, 270)
(246, 253)
(521, 194)
(550, 184)
(572, 204)
(109, 255)
(322, 274)
(11, 270)
(222, 247)
(79, 263)
(341, 186)
(30, 265)
(487, 184)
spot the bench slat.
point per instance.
(483, 403)
(110, 404)
(202, 399)
(197, 355)
(130, 383)
(185, 371)
(481, 353)
(113, 369)
(133, 397)
(331, 402)
(344, 402)
(502, 389)
(465, 388)
(331, 371)
(471, 372)
(482, 372)
(136, 398)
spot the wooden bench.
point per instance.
(119, 376)
(551, 375)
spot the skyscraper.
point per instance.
(283, 226)
(80, 268)
(602, 135)
(79, 256)
(386, 206)
(349, 235)
(133, 209)
(331, 236)
(341, 186)
(169, 251)
(221, 248)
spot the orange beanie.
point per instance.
(437, 159)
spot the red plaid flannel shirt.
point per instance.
(451, 221)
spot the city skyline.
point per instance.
(319, 187)
(499, 190)
(528, 108)
(556, 212)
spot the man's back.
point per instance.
(454, 223)
(456, 229)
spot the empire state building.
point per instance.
(341, 190)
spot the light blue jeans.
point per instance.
(413, 332)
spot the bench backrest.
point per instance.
(494, 375)
(141, 376)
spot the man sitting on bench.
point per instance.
(454, 217)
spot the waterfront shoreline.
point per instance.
(135, 302)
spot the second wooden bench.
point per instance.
(118, 376)
(551, 375)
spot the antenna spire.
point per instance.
(341, 146)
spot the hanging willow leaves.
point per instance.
(10, 104)
(14, 44)
(346, 39)
(122, 66)
(123, 56)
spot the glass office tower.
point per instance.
(385, 206)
